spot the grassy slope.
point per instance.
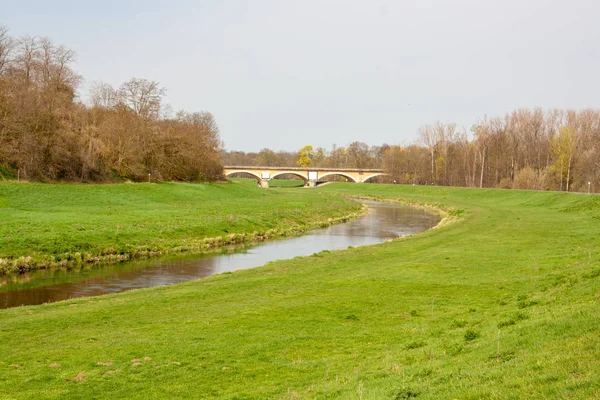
(43, 220)
(274, 183)
(519, 276)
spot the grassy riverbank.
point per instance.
(285, 183)
(501, 304)
(54, 225)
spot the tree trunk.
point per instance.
(569, 172)
(432, 167)
(482, 168)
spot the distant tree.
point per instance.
(123, 134)
(267, 158)
(564, 145)
(359, 155)
(319, 157)
(25, 60)
(337, 157)
(103, 95)
(142, 96)
(481, 132)
(393, 163)
(305, 156)
(6, 47)
(428, 140)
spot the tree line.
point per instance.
(123, 133)
(355, 155)
(127, 133)
(524, 149)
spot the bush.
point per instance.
(526, 178)
(505, 183)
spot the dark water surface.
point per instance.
(383, 222)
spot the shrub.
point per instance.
(505, 183)
(526, 179)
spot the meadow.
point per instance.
(502, 303)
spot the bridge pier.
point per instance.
(264, 183)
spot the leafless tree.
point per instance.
(428, 139)
(142, 96)
(27, 55)
(103, 95)
(6, 47)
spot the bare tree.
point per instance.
(6, 47)
(142, 96)
(26, 58)
(481, 132)
(428, 138)
(359, 154)
(103, 95)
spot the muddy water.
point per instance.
(383, 222)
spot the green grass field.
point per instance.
(58, 224)
(285, 183)
(502, 304)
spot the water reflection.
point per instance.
(384, 221)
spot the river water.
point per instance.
(383, 222)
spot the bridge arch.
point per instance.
(295, 173)
(349, 177)
(375, 176)
(256, 176)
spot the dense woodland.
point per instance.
(525, 149)
(47, 134)
(124, 133)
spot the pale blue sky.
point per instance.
(282, 74)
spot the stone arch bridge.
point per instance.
(310, 176)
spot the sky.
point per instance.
(281, 74)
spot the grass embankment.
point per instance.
(502, 304)
(285, 183)
(57, 225)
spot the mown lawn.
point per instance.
(502, 304)
(277, 183)
(70, 222)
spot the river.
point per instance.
(383, 222)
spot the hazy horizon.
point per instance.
(285, 74)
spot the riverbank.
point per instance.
(502, 304)
(47, 226)
(381, 222)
